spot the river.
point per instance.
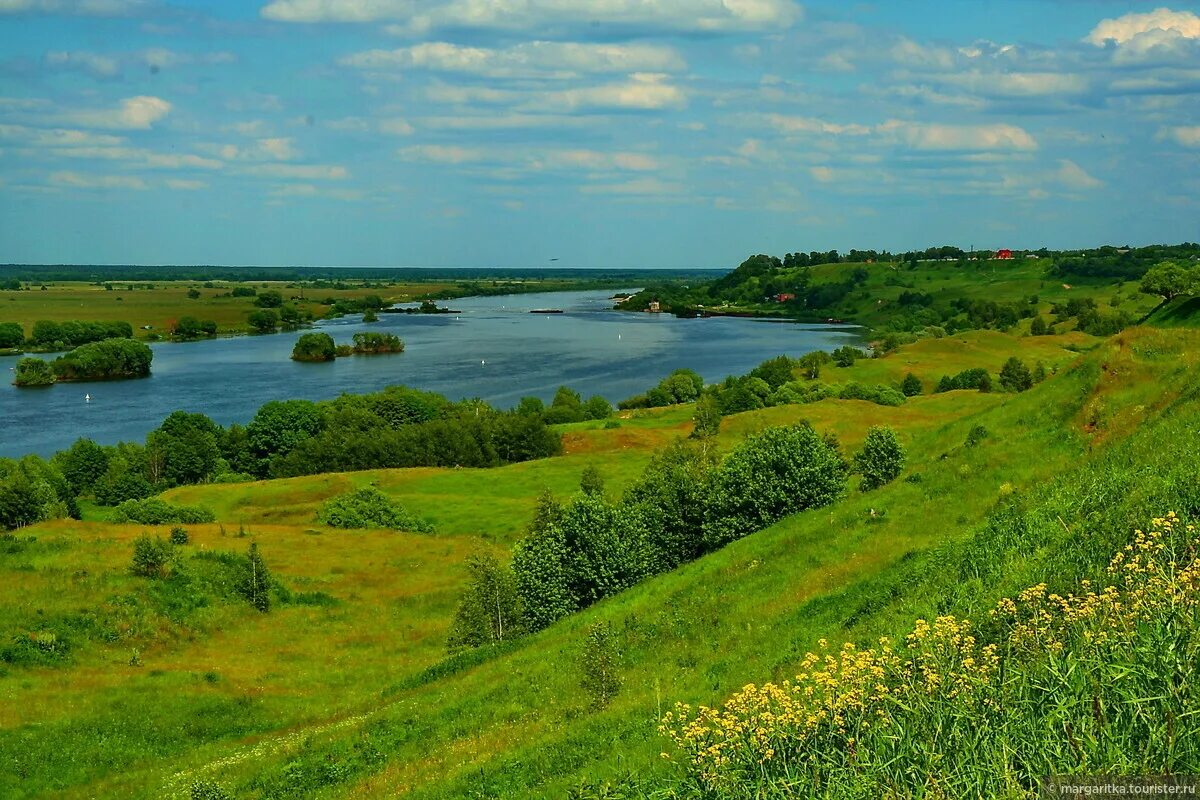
(495, 349)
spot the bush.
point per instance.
(976, 435)
(881, 458)
(1015, 376)
(845, 356)
(376, 343)
(369, 508)
(263, 321)
(255, 583)
(152, 557)
(207, 790)
(105, 360)
(911, 385)
(974, 378)
(880, 395)
(314, 347)
(775, 473)
(179, 535)
(706, 421)
(598, 662)
(33, 372)
(154, 511)
(539, 568)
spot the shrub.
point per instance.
(155, 511)
(179, 535)
(152, 557)
(974, 378)
(597, 407)
(976, 435)
(598, 662)
(263, 321)
(369, 508)
(775, 371)
(105, 360)
(255, 583)
(207, 790)
(911, 385)
(539, 568)
(880, 395)
(314, 347)
(1015, 376)
(591, 481)
(775, 473)
(376, 343)
(33, 372)
(881, 458)
(845, 356)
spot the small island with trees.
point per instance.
(318, 347)
(106, 360)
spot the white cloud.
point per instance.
(98, 65)
(822, 174)
(792, 124)
(162, 58)
(304, 172)
(440, 154)
(596, 160)
(997, 136)
(76, 180)
(1186, 136)
(270, 149)
(133, 113)
(645, 92)
(1016, 84)
(57, 137)
(539, 58)
(641, 187)
(395, 126)
(1074, 176)
(664, 15)
(181, 185)
(1129, 27)
(83, 8)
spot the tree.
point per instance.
(540, 568)
(82, 464)
(107, 359)
(489, 610)
(279, 426)
(183, 450)
(11, 335)
(1168, 280)
(193, 294)
(706, 421)
(370, 316)
(269, 299)
(911, 386)
(846, 355)
(314, 347)
(669, 500)
(33, 372)
(591, 481)
(778, 472)
(881, 458)
(191, 328)
(775, 371)
(1038, 327)
(597, 407)
(255, 584)
(263, 321)
(567, 406)
(1015, 376)
(369, 508)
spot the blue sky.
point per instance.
(599, 132)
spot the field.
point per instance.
(347, 691)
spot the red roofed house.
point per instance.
(1004, 255)
(784, 297)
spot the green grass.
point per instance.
(347, 700)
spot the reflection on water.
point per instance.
(495, 349)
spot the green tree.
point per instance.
(597, 407)
(489, 610)
(269, 299)
(255, 584)
(567, 406)
(1168, 280)
(184, 450)
(670, 500)
(770, 475)
(911, 386)
(846, 355)
(263, 321)
(1038, 327)
(11, 335)
(369, 508)
(193, 294)
(314, 347)
(1015, 376)
(33, 372)
(82, 464)
(881, 458)
(706, 421)
(279, 426)
(540, 568)
(591, 481)
(775, 371)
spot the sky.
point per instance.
(601, 133)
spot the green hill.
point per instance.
(134, 687)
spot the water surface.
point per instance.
(495, 349)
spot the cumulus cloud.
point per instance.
(644, 92)
(538, 58)
(440, 154)
(1182, 135)
(1139, 37)
(304, 172)
(270, 149)
(414, 16)
(1074, 176)
(132, 113)
(793, 124)
(77, 180)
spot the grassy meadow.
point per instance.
(138, 688)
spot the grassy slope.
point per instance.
(519, 721)
(871, 303)
(1183, 312)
